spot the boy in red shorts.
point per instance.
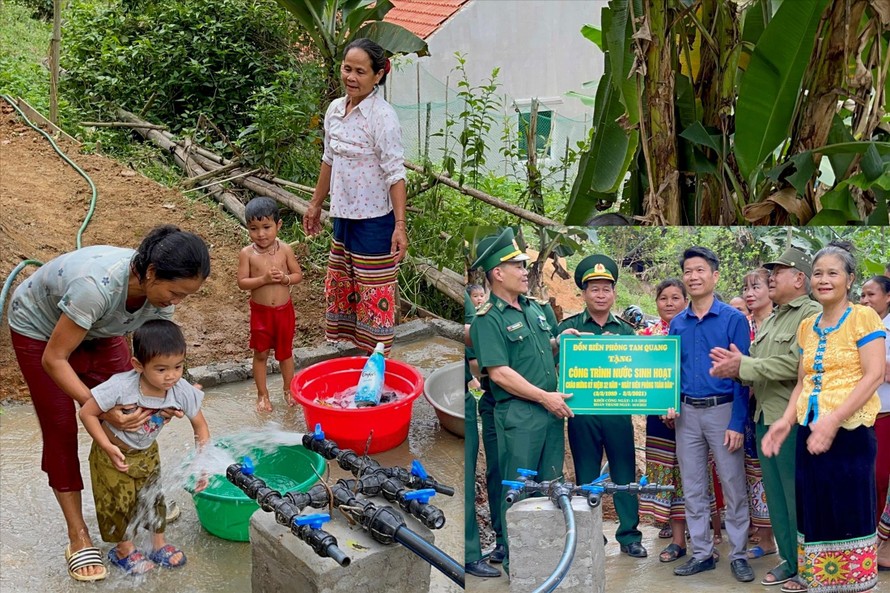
(267, 268)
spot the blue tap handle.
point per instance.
(513, 484)
(423, 496)
(314, 521)
(318, 433)
(593, 488)
(247, 466)
(418, 470)
(602, 478)
(526, 473)
(644, 481)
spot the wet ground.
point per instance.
(630, 575)
(32, 533)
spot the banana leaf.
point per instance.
(769, 90)
(602, 168)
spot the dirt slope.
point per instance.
(43, 202)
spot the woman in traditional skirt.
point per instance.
(755, 292)
(835, 403)
(363, 171)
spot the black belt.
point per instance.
(706, 402)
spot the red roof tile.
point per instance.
(423, 17)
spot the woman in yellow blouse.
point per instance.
(835, 403)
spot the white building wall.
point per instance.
(538, 46)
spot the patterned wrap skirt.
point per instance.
(836, 537)
(663, 468)
(361, 281)
(757, 509)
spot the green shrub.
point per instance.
(285, 135)
(184, 57)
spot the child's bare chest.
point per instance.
(260, 263)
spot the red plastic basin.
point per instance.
(350, 428)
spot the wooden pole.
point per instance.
(120, 124)
(193, 181)
(54, 44)
(484, 197)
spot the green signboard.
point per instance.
(620, 374)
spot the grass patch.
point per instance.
(24, 44)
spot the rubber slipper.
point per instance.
(759, 552)
(134, 564)
(671, 553)
(666, 532)
(82, 559)
(794, 585)
(881, 567)
(162, 556)
(781, 574)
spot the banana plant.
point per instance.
(333, 24)
(761, 112)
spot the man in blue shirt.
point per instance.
(711, 416)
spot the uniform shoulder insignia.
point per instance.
(485, 308)
(542, 302)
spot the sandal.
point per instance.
(83, 559)
(780, 574)
(666, 532)
(134, 564)
(794, 585)
(759, 552)
(162, 556)
(671, 553)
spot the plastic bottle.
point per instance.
(370, 384)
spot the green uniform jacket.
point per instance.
(771, 369)
(504, 336)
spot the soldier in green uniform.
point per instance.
(589, 435)
(474, 563)
(513, 341)
(490, 443)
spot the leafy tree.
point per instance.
(333, 24)
(764, 112)
(175, 59)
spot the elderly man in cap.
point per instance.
(512, 335)
(589, 435)
(771, 370)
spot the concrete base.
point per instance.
(536, 532)
(282, 563)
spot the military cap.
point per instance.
(596, 267)
(793, 258)
(495, 250)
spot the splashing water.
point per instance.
(212, 460)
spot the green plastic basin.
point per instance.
(225, 511)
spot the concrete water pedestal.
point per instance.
(282, 563)
(536, 532)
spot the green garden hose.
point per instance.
(8, 283)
